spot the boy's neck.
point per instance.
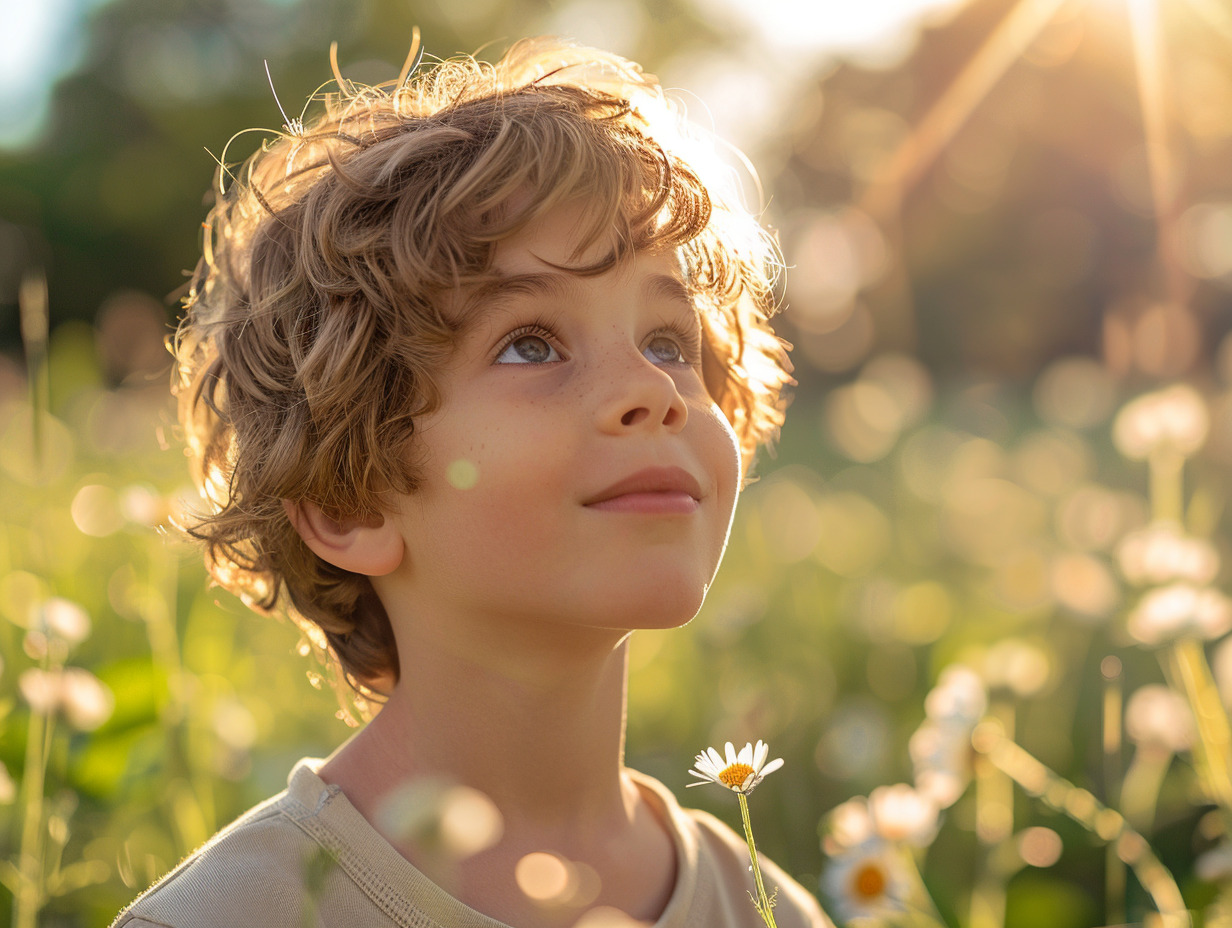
(537, 726)
(540, 731)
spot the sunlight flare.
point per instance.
(909, 162)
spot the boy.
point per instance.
(471, 368)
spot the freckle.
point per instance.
(462, 474)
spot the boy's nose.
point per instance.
(642, 395)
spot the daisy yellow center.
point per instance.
(734, 775)
(869, 882)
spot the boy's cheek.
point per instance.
(731, 442)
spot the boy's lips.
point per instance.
(653, 490)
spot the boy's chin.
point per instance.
(663, 611)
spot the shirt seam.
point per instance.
(362, 874)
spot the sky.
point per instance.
(45, 40)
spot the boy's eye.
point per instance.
(663, 349)
(528, 349)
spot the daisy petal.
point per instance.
(772, 766)
(715, 759)
(759, 756)
(731, 754)
(746, 754)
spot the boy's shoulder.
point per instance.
(277, 864)
(713, 872)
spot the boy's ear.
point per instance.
(370, 548)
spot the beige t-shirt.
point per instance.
(307, 858)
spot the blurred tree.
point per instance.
(111, 196)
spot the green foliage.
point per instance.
(1037, 900)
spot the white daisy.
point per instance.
(1163, 553)
(903, 814)
(959, 696)
(1175, 418)
(738, 772)
(1180, 610)
(871, 881)
(941, 746)
(848, 825)
(1159, 717)
(941, 755)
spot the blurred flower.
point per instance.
(941, 747)
(64, 619)
(41, 689)
(868, 881)
(1180, 610)
(898, 814)
(1017, 665)
(1162, 553)
(85, 700)
(1157, 716)
(741, 772)
(959, 696)
(901, 813)
(1174, 418)
(941, 755)
(848, 825)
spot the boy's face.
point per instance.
(577, 471)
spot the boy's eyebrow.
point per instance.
(495, 294)
(667, 287)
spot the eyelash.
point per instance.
(541, 329)
(689, 339)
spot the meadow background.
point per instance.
(1003, 222)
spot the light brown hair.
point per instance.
(319, 315)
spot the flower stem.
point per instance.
(765, 907)
(1059, 794)
(31, 892)
(1167, 493)
(1211, 752)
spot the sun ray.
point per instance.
(902, 170)
(1161, 163)
(1217, 17)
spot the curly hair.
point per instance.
(318, 316)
